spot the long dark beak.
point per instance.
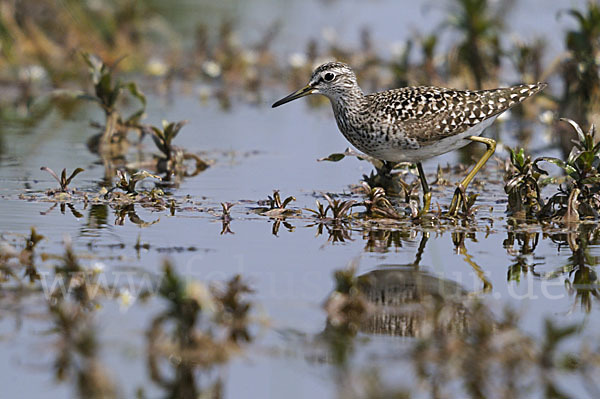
(305, 91)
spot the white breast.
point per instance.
(433, 149)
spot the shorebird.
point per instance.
(412, 124)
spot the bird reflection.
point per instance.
(399, 300)
(402, 295)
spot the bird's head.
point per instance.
(332, 79)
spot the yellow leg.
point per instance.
(458, 194)
(426, 190)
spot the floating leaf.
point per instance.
(336, 157)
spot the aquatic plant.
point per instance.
(521, 185)
(277, 222)
(467, 203)
(107, 94)
(442, 360)
(334, 218)
(64, 181)
(127, 182)
(276, 206)
(277, 210)
(226, 217)
(581, 69)
(339, 208)
(580, 99)
(527, 59)
(375, 200)
(320, 212)
(579, 273)
(581, 196)
(480, 24)
(382, 239)
(276, 203)
(234, 312)
(339, 232)
(75, 279)
(126, 209)
(44, 35)
(78, 350)
(521, 265)
(174, 157)
(163, 137)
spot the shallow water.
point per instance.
(256, 150)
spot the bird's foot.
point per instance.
(458, 199)
(426, 204)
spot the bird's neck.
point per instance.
(352, 98)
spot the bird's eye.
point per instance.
(328, 77)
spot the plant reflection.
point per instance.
(527, 242)
(582, 281)
(201, 328)
(71, 306)
(97, 217)
(337, 232)
(381, 240)
(63, 207)
(128, 210)
(277, 222)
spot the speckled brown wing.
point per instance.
(432, 113)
